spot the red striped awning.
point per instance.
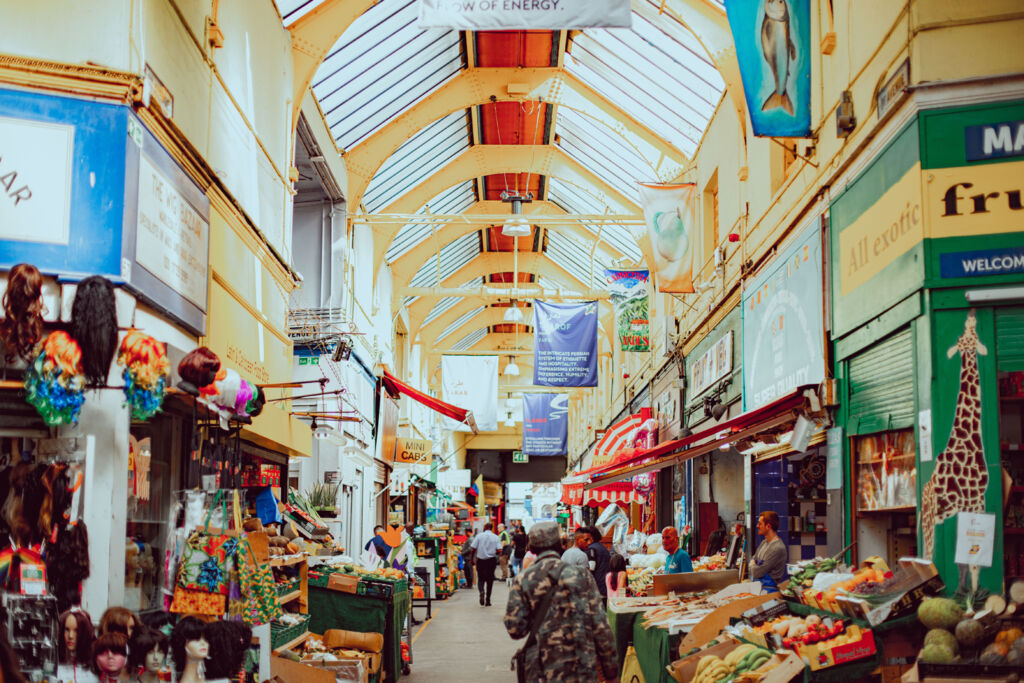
(396, 386)
(619, 492)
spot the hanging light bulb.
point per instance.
(516, 226)
(513, 314)
(511, 370)
(509, 422)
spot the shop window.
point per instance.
(782, 160)
(885, 493)
(1011, 450)
(710, 213)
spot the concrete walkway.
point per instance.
(463, 642)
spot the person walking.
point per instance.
(599, 559)
(506, 550)
(487, 546)
(467, 558)
(576, 554)
(519, 542)
(557, 605)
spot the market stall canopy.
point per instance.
(773, 418)
(396, 386)
(574, 493)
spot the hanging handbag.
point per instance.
(519, 658)
(187, 601)
(206, 560)
(256, 599)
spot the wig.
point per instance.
(83, 645)
(141, 643)
(145, 373)
(199, 367)
(119, 620)
(94, 327)
(255, 405)
(108, 642)
(186, 630)
(67, 563)
(229, 641)
(21, 509)
(227, 390)
(56, 497)
(159, 621)
(54, 383)
(22, 326)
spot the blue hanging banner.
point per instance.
(773, 47)
(565, 349)
(546, 424)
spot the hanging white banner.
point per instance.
(471, 382)
(670, 214)
(479, 15)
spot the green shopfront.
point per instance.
(927, 247)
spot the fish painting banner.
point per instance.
(487, 15)
(546, 424)
(565, 348)
(628, 290)
(669, 215)
(471, 382)
(773, 47)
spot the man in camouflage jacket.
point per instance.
(574, 642)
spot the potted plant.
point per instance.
(323, 498)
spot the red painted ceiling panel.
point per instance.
(513, 182)
(509, 328)
(514, 48)
(498, 242)
(512, 123)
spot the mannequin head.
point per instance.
(119, 620)
(188, 641)
(76, 636)
(110, 654)
(229, 640)
(147, 650)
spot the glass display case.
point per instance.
(886, 471)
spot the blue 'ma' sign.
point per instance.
(994, 140)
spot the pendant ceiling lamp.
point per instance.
(513, 314)
(516, 225)
(511, 370)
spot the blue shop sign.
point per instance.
(994, 140)
(983, 262)
(85, 189)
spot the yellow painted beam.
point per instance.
(313, 36)
(474, 87)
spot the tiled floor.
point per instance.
(463, 642)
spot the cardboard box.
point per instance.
(712, 624)
(787, 666)
(346, 583)
(296, 672)
(819, 657)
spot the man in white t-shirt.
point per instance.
(487, 547)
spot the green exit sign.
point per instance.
(519, 456)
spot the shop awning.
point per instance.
(397, 386)
(777, 416)
(618, 492)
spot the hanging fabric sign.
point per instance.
(565, 352)
(471, 382)
(546, 424)
(773, 47)
(479, 15)
(628, 289)
(669, 214)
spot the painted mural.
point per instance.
(960, 477)
(773, 47)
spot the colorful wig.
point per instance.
(94, 327)
(145, 373)
(199, 367)
(22, 326)
(54, 383)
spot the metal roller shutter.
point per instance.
(1010, 339)
(881, 382)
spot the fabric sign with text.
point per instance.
(565, 352)
(628, 289)
(481, 15)
(471, 382)
(546, 424)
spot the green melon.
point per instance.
(970, 633)
(942, 637)
(940, 613)
(936, 654)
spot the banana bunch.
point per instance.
(752, 660)
(711, 669)
(745, 658)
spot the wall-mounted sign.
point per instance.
(975, 538)
(173, 239)
(713, 365)
(520, 457)
(35, 180)
(783, 323)
(982, 262)
(414, 451)
(994, 140)
(894, 89)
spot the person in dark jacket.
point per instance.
(519, 542)
(599, 559)
(467, 559)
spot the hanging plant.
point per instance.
(54, 383)
(145, 373)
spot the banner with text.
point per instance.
(628, 289)
(773, 47)
(783, 324)
(414, 451)
(669, 214)
(565, 352)
(546, 424)
(486, 15)
(471, 382)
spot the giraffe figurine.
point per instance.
(960, 477)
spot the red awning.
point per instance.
(632, 462)
(618, 492)
(397, 386)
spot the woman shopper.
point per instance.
(519, 541)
